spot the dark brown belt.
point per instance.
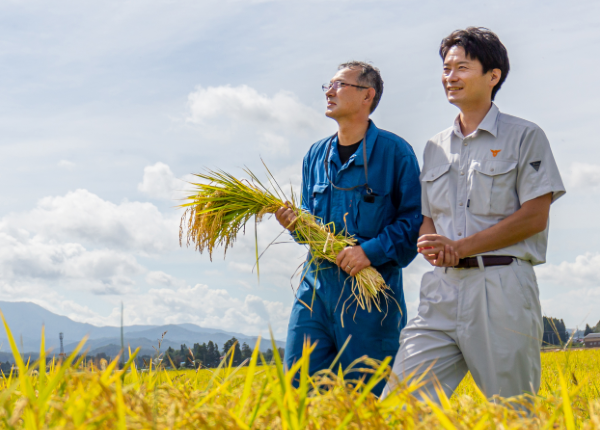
(488, 260)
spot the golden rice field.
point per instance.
(74, 395)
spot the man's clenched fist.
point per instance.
(352, 260)
(286, 217)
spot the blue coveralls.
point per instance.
(386, 226)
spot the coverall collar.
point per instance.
(372, 133)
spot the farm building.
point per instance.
(592, 340)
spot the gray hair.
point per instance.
(369, 76)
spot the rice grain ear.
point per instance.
(224, 204)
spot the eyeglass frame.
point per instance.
(340, 84)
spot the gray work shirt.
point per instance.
(471, 183)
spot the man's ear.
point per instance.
(370, 95)
(495, 76)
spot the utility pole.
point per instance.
(122, 340)
(62, 348)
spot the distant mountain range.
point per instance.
(25, 321)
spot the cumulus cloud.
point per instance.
(272, 121)
(210, 307)
(159, 182)
(581, 272)
(579, 307)
(571, 290)
(162, 279)
(83, 217)
(26, 259)
(584, 176)
(246, 105)
(81, 242)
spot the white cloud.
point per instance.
(582, 272)
(209, 307)
(242, 114)
(26, 260)
(584, 176)
(577, 307)
(81, 242)
(244, 105)
(159, 182)
(163, 279)
(83, 217)
(571, 289)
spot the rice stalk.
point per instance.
(223, 204)
(73, 394)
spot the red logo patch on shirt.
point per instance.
(495, 152)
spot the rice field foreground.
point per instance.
(72, 394)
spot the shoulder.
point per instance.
(317, 149)
(437, 149)
(439, 141)
(440, 138)
(512, 121)
(392, 142)
(521, 131)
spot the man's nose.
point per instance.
(331, 91)
(451, 76)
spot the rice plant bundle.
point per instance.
(224, 204)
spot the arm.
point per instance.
(285, 215)
(397, 241)
(446, 257)
(538, 185)
(530, 219)
(427, 227)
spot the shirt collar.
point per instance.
(489, 123)
(371, 137)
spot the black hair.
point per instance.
(481, 44)
(369, 76)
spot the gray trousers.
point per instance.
(484, 320)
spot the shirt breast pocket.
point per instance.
(436, 182)
(319, 200)
(492, 187)
(371, 214)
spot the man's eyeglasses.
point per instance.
(337, 85)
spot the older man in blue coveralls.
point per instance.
(365, 181)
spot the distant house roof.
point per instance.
(592, 336)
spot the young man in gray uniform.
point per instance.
(487, 185)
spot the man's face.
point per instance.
(464, 81)
(346, 100)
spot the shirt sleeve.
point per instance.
(305, 195)
(538, 173)
(397, 241)
(425, 210)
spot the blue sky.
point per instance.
(106, 106)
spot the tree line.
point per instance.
(209, 355)
(594, 329)
(555, 332)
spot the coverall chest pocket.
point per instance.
(371, 214)
(437, 185)
(492, 187)
(320, 198)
